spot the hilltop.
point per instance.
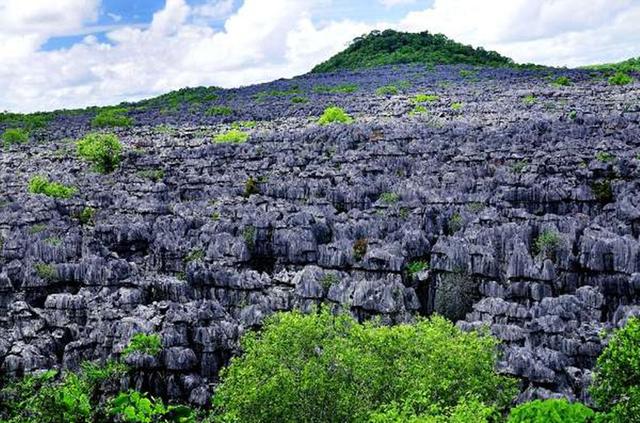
(392, 48)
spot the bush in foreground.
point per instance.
(551, 411)
(616, 383)
(102, 150)
(620, 78)
(41, 185)
(325, 368)
(334, 115)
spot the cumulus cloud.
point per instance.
(261, 41)
(392, 3)
(265, 40)
(553, 32)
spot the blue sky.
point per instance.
(75, 53)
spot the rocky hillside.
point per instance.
(507, 198)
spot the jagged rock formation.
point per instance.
(192, 255)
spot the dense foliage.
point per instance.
(41, 185)
(616, 384)
(14, 136)
(391, 47)
(551, 411)
(334, 115)
(629, 65)
(102, 150)
(144, 343)
(326, 368)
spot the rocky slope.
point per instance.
(199, 241)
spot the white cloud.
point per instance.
(553, 32)
(392, 3)
(261, 41)
(265, 40)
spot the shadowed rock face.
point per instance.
(191, 257)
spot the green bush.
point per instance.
(144, 343)
(388, 90)
(389, 197)
(360, 247)
(616, 381)
(14, 136)
(547, 243)
(562, 81)
(112, 117)
(425, 98)
(620, 78)
(416, 267)
(551, 411)
(456, 106)
(41, 185)
(87, 215)
(334, 115)
(602, 191)
(220, 111)
(529, 99)
(102, 150)
(325, 368)
(336, 89)
(233, 136)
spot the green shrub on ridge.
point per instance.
(41, 185)
(334, 115)
(100, 149)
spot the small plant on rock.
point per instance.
(602, 191)
(150, 344)
(562, 81)
(334, 115)
(360, 247)
(547, 243)
(455, 223)
(388, 90)
(46, 271)
(251, 187)
(41, 185)
(328, 280)
(87, 215)
(529, 100)
(425, 98)
(456, 107)
(100, 149)
(605, 157)
(389, 197)
(249, 236)
(194, 255)
(416, 267)
(233, 136)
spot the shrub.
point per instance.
(620, 78)
(529, 99)
(547, 243)
(336, 89)
(602, 191)
(195, 255)
(112, 117)
(101, 150)
(455, 223)
(244, 124)
(605, 157)
(251, 187)
(334, 115)
(562, 81)
(388, 90)
(14, 136)
(616, 382)
(418, 110)
(249, 236)
(325, 368)
(416, 267)
(299, 100)
(154, 175)
(87, 215)
(519, 166)
(328, 280)
(455, 295)
(425, 98)
(360, 247)
(456, 107)
(41, 185)
(551, 411)
(220, 111)
(150, 344)
(389, 197)
(233, 136)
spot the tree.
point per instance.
(616, 382)
(326, 368)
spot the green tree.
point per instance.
(325, 368)
(551, 411)
(102, 150)
(616, 382)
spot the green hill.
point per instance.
(392, 47)
(629, 65)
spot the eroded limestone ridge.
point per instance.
(504, 201)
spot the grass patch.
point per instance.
(233, 136)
